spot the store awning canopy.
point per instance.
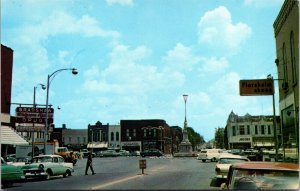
(97, 145)
(10, 137)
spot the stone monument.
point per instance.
(185, 147)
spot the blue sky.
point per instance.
(136, 58)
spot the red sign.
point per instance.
(33, 115)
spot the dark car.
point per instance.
(147, 153)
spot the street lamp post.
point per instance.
(74, 72)
(34, 106)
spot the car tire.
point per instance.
(203, 160)
(48, 174)
(213, 159)
(68, 173)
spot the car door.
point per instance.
(55, 166)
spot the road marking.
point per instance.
(154, 170)
(114, 182)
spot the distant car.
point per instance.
(147, 153)
(209, 154)
(262, 176)
(108, 153)
(45, 166)
(124, 153)
(224, 163)
(135, 153)
(10, 173)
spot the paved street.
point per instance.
(124, 173)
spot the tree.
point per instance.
(194, 137)
(219, 138)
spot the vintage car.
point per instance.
(209, 154)
(156, 153)
(45, 166)
(224, 163)
(108, 153)
(262, 176)
(10, 173)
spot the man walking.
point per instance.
(89, 164)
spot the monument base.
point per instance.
(185, 150)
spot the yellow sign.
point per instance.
(256, 87)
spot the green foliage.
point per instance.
(219, 138)
(194, 137)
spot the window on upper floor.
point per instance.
(285, 68)
(134, 132)
(242, 130)
(112, 136)
(269, 129)
(70, 139)
(248, 129)
(293, 57)
(117, 136)
(256, 129)
(78, 140)
(233, 131)
(262, 129)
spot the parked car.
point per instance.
(135, 153)
(10, 173)
(224, 163)
(85, 153)
(108, 153)
(20, 161)
(124, 153)
(156, 153)
(45, 166)
(209, 154)
(262, 176)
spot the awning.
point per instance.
(10, 137)
(97, 145)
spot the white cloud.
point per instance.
(216, 29)
(62, 56)
(120, 2)
(180, 58)
(214, 65)
(128, 73)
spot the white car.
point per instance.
(209, 154)
(225, 161)
(44, 166)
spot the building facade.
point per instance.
(114, 137)
(139, 135)
(98, 136)
(286, 30)
(244, 132)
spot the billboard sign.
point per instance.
(33, 115)
(256, 87)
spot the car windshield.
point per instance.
(231, 160)
(265, 179)
(42, 159)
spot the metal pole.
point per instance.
(46, 126)
(274, 124)
(32, 133)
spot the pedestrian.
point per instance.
(89, 164)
